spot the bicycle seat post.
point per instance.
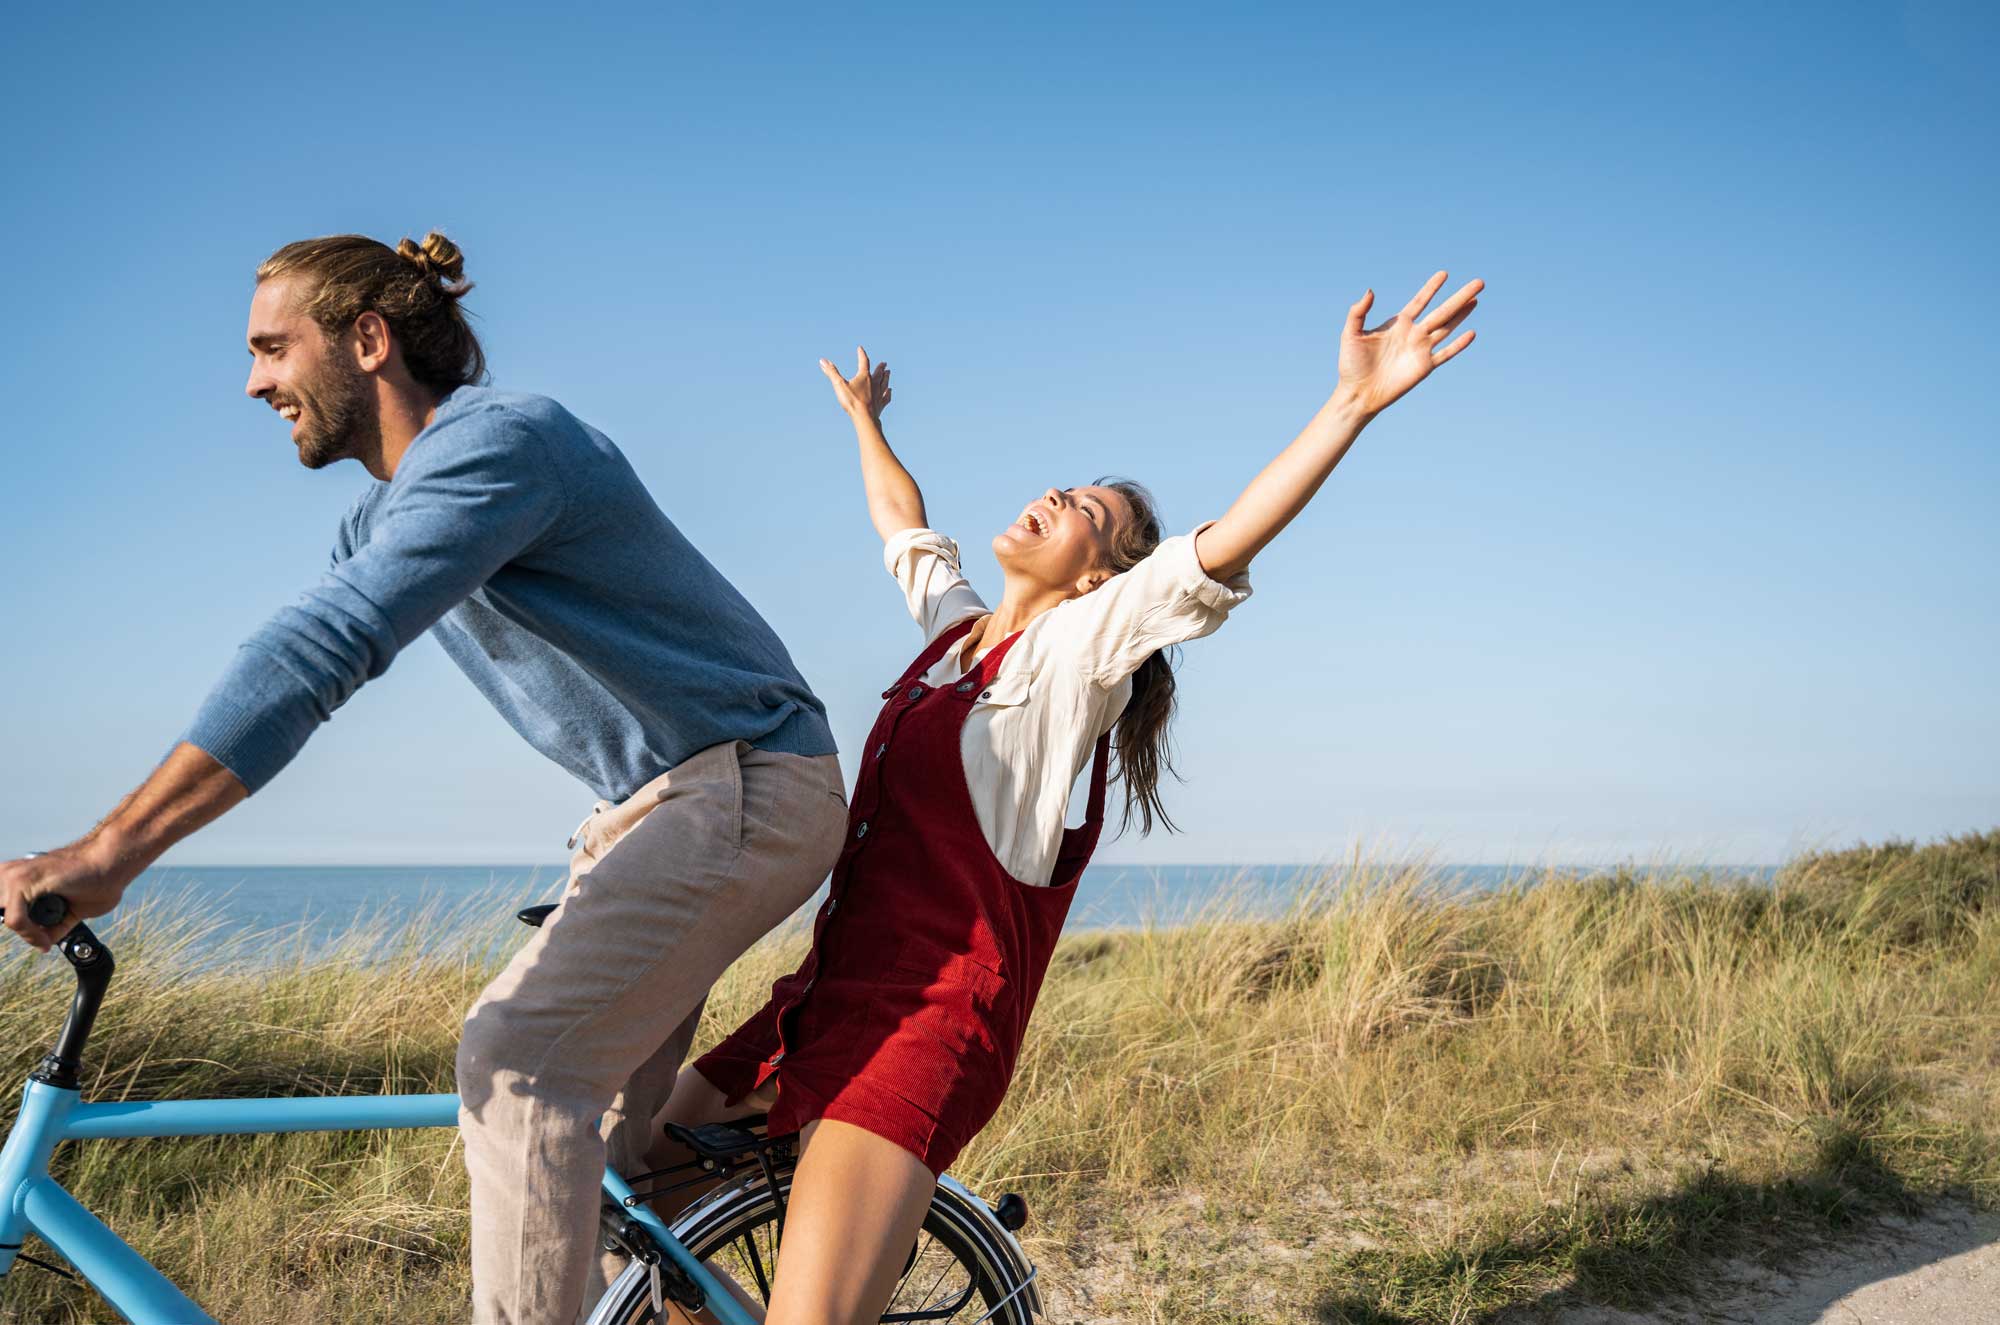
(62, 1066)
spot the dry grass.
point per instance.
(1391, 1105)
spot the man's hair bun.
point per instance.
(437, 257)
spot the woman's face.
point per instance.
(1063, 538)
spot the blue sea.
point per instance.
(282, 913)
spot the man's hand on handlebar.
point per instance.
(85, 875)
(187, 790)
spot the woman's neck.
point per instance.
(1020, 603)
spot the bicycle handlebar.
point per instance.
(47, 910)
(93, 963)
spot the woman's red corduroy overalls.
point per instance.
(908, 1014)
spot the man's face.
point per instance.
(310, 380)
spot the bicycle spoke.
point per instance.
(757, 1266)
(929, 1308)
(943, 1270)
(916, 1257)
(949, 1277)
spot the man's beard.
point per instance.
(340, 416)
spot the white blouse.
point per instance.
(1061, 686)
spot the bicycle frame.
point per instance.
(54, 1111)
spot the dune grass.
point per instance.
(1395, 1103)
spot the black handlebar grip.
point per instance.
(47, 910)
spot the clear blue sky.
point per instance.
(1694, 553)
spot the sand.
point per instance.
(1940, 1269)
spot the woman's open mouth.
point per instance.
(1034, 523)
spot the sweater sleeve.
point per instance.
(469, 497)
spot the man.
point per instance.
(524, 542)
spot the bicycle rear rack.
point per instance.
(720, 1149)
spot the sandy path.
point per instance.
(1942, 1269)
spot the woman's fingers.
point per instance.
(1450, 351)
(1451, 307)
(1439, 330)
(861, 358)
(840, 387)
(1357, 314)
(1423, 296)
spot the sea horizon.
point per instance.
(293, 911)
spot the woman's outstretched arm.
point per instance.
(1377, 367)
(894, 501)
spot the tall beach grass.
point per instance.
(1397, 1102)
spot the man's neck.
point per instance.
(405, 412)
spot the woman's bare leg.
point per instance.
(858, 1203)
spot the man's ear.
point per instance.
(373, 343)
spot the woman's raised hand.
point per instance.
(1378, 366)
(864, 395)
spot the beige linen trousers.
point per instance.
(571, 1050)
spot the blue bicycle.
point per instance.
(716, 1255)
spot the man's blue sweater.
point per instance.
(522, 539)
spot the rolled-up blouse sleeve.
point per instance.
(1165, 599)
(925, 565)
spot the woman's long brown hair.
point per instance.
(1140, 738)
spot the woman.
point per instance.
(894, 1042)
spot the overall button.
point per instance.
(881, 749)
(862, 831)
(965, 687)
(916, 692)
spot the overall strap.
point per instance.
(933, 651)
(1080, 843)
(1100, 769)
(989, 667)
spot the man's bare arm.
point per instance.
(187, 791)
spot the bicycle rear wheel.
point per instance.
(963, 1269)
